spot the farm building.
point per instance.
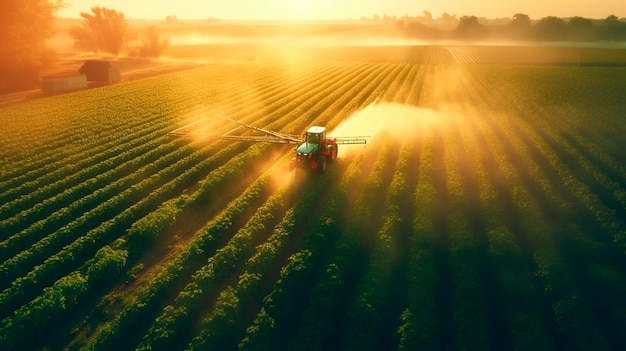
(63, 82)
(99, 71)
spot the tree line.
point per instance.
(520, 27)
(106, 30)
(28, 24)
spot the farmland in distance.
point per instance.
(487, 211)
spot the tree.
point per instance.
(151, 44)
(580, 28)
(520, 26)
(446, 17)
(613, 29)
(550, 28)
(103, 31)
(469, 28)
(520, 20)
(25, 25)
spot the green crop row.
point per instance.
(505, 240)
(137, 234)
(418, 321)
(223, 326)
(178, 317)
(285, 301)
(156, 189)
(569, 311)
(142, 301)
(54, 173)
(97, 193)
(321, 325)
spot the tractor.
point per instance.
(314, 149)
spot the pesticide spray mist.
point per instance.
(389, 119)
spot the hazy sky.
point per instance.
(342, 9)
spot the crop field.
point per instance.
(486, 212)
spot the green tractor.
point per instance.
(314, 149)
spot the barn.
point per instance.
(100, 71)
(63, 82)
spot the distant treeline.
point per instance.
(520, 27)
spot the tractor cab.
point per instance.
(314, 139)
(315, 135)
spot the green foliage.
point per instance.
(42, 312)
(103, 30)
(147, 229)
(108, 264)
(25, 24)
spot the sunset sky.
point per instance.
(334, 9)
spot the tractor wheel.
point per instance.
(321, 164)
(333, 153)
(314, 163)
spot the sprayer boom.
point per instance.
(351, 140)
(314, 148)
(269, 137)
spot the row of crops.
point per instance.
(493, 218)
